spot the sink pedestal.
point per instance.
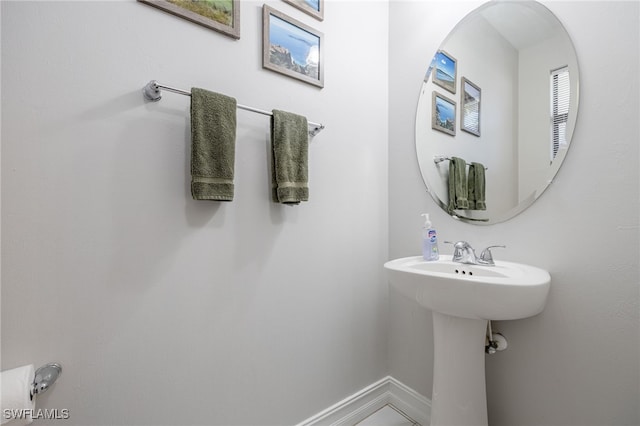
(459, 394)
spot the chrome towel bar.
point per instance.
(152, 93)
(440, 158)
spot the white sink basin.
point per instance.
(462, 299)
(505, 291)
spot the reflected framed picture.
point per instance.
(291, 47)
(219, 15)
(470, 110)
(443, 114)
(444, 71)
(314, 8)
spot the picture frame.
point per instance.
(222, 16)
(292, 48)
(444, 71)
(314, 8)
(443, 114)
(470, 101)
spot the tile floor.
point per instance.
(387, 416)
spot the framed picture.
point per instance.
(314, 8)
(219, 15)
(291, 47)
(444, 71)
(470, 111)
(443, 114)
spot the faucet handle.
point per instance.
(486, 258)
(459, 244)
(463, 252)
(456, 250)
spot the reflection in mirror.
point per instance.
(507, 77)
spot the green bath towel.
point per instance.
(476, 185)
(213, 139)
(457, 185)
(290, 150)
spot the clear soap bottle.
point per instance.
(429, 240)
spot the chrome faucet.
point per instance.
(464, 253)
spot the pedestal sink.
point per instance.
(463, 298)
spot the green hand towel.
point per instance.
(213, 138)
(476, 184)
(290, 150)
(471, 179)
(457, 185)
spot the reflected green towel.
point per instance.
(213, 139)
(476, 185)
(457, 185)
(290, 150)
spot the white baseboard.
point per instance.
(410, 402)
(367, 401)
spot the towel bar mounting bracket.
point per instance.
(45, 376)
(151, 91)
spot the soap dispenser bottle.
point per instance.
(429, 240)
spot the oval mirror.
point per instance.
(501, 92)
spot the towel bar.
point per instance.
(440, 158)
(152, 93)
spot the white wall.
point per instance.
(165, 310)
(577, 363)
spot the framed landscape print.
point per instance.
(291, 47)
(444, 71)
(314, 8)
(443, 114)
(219, 15)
